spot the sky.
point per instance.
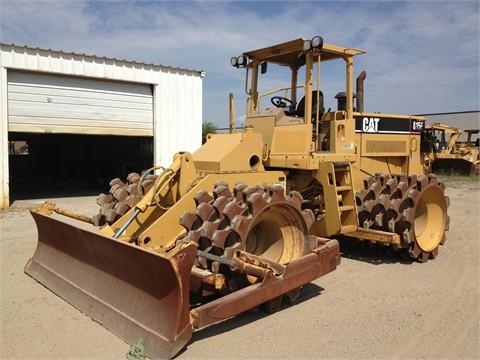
(422, 56)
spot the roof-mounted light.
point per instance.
(315, 43)
(307, 45)
(242, 60)
(239, 62)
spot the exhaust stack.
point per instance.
(360, 90)
(231, 113)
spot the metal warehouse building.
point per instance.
(461, 119)
(72, 120)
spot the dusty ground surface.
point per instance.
(371, 307)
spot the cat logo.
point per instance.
(370, 124)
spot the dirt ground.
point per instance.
(370, 307)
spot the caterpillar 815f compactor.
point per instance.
(251, 216)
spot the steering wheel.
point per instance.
(281, 102)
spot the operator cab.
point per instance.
(283, 88)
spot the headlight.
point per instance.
(317, 42)
(307, 45)
(242, 61)
(239, 61)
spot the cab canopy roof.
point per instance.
(291, 53)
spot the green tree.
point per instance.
(207, 128)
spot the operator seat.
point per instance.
(300, 111)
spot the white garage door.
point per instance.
(62, 104)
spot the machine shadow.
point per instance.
(362, 251)
(308, 292)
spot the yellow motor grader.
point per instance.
(251, 216)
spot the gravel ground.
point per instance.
(370, 307)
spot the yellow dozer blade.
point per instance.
(135, 293)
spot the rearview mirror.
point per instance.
(263, 67)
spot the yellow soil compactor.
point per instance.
(251, 216)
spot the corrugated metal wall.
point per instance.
(63, 104)
(176, 98)
(462, 120)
